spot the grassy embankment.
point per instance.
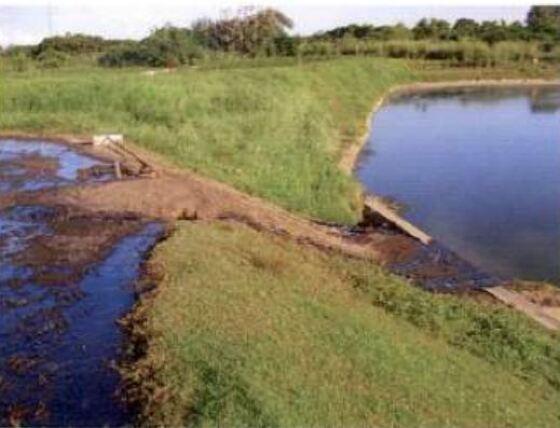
(253, 330)
(247, 329)
(273, 131)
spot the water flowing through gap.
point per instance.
(66, 278)
(478, 169)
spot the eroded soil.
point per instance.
(173, 194)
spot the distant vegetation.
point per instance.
(254, 32)
(55, 52)
(164, 47)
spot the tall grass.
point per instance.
(460, 53)
(272, 131)
(250, 330)
(273, 127)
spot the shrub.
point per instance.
(372, 47)
(286, 46)
(130, 53)
(72, 44)
(51, 58)
(349, 45)
(505, 52)
(316, 48)
(554, 54)
(20, 62)
(165, 47)
(476, 54)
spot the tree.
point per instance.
(465, 28)
(249, 32)
(171, 46)
(544, 21)
(434, 29)
(493, 32)
(165, 47)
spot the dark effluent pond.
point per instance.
(478, 169)
(66, 277)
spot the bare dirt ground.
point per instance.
(165, 192)
(170, 193)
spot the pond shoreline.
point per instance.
(184, 201)
(351, 156)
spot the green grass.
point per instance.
(272, 131)
(273, 128)
(440, 71)
(252, 330)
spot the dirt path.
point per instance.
(166, 192)
(176, 196)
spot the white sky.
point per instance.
(27, 21)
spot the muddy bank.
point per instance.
(429, 265)
(173, 194)
(183, 196)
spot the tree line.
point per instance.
(255, 32)
(542, 24)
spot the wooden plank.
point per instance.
(118, 172)
(522, 304)
(376, 204)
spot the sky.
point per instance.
(28, 21)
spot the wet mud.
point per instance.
(27, 165)
(67, 276)
(432, 267)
